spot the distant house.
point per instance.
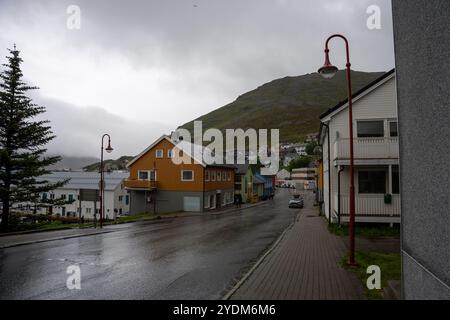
(376, 155)
(158, 185)
(117, 199)
(243, 178)
(267, 186)
(258, 187)
(304, 178)
(283, 174)
(288, 157)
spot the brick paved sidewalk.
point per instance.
(304, 265)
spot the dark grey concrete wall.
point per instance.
(422, 53)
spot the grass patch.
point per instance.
(366, 230)
(141, 217)
(389, 263)
(135, 217)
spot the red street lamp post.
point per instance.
(102, 177)
(328, 71)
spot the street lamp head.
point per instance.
(327, 70)
(109, 149)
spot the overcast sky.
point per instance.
(138, 69)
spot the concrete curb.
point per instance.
(54, 239)
(260, 260)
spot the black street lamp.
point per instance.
(108, 149)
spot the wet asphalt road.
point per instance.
(197, 257)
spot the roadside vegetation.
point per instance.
(389, 263)
(366, 230)
(34, 223)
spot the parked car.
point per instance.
(296, 202)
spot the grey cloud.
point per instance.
(213, 52)
(78, 130)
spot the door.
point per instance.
(218, 201)
(191, 204)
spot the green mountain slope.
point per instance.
(118, 164)
(291, 104)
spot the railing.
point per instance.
(139, 184)
(370, 205)
(367, 148)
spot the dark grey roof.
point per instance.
(86, 180)
(241, 168)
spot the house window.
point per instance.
(206, 175)
(44, 196)
(372, 181)
(63, 196)
(159, 153)
(143, 175)
(370, 129)
(187, 175)
(120, 198)
(229, 176)
(393, 129)
(170, 153)
(224, 176)
(395, 180)
(219, 176)
(71, 197)
(88, 210)
(127, 199)
(213, 176)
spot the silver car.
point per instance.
(296, 202)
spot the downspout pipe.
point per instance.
(329, 171)
(339, 194)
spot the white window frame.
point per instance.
(229, 175)
(370, 120)
(219, 175)
(389, 121)
(182, 172)
(207, 175)
(170, 153)
(148, 175)
(159, 153)
(213, 175)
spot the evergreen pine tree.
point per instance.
(22, 141)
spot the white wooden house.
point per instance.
(376, 155)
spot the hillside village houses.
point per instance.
(376, 155)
